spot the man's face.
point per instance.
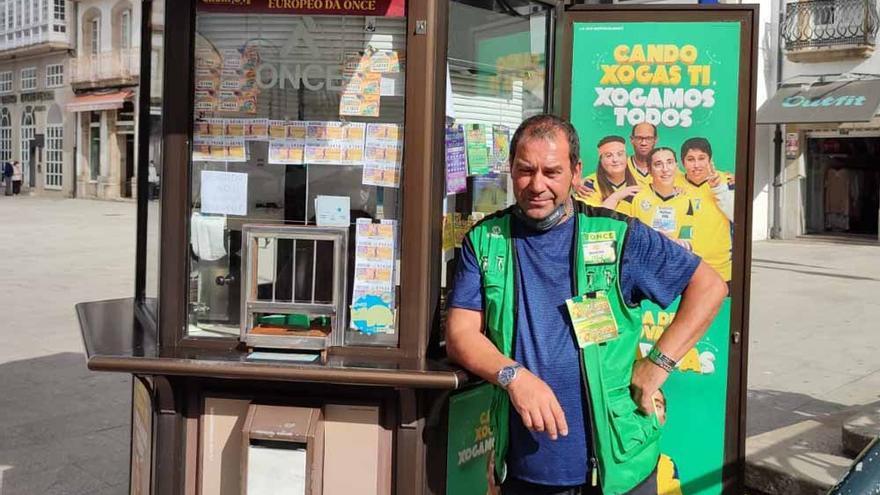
(542, 174)
(612, 157)
(663, 167)
(696, 165)
(643, 139)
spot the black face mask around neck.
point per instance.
(552, 220)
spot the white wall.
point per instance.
(109, 19)
(762, 199)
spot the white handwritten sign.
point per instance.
(224, 193)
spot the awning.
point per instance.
(842, 101)
(96, 102)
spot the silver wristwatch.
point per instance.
(506, 375)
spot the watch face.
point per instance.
(506, 375)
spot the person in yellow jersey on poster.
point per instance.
(612, 182)
(643, 138)
(712, 196)
(663, 206)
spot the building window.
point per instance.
(60, 16)
(6, 81)
(125, 22)
(28, 78)
(54, 75)
(96, 36)
(54, 155)
(95, 145)
(59, 10)
(5, 136)
(27, 136)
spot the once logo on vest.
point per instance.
(601, 236)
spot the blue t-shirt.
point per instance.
(652, 267)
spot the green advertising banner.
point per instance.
(470, 450)
(682, 78)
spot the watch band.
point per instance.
(662, 360)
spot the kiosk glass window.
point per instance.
(498, 66)
(298, 122)
(154, 167)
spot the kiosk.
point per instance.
(320, 162)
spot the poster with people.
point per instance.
(656, 107)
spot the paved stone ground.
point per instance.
(64, 430)
(814, 343)
(813, 360)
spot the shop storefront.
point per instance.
(829, 180)
(320, 163)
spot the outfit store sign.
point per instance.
(681, 77)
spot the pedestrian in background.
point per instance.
(16, 177)
(7, 177)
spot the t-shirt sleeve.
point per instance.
(654, 267)
(467, 286)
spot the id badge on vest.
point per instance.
(592, 318)
(599, 248)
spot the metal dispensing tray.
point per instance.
(252, 305)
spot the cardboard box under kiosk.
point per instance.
(282, 451)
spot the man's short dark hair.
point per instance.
(662, 148)
(611, 139)
(546, 126)
(653, 128)
(696, 143)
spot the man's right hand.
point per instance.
(537, 405)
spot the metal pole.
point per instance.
(776, 229)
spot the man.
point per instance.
(661, 205)
(16, 177)
(712, 196)
(612, 180)
(7, 177)
(643, 138)
(582, 417)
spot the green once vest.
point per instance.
(625, 443)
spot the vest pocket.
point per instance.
(631, 431)
(493, 307)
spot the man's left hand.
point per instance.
(647, 378)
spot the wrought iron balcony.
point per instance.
(830, 26)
